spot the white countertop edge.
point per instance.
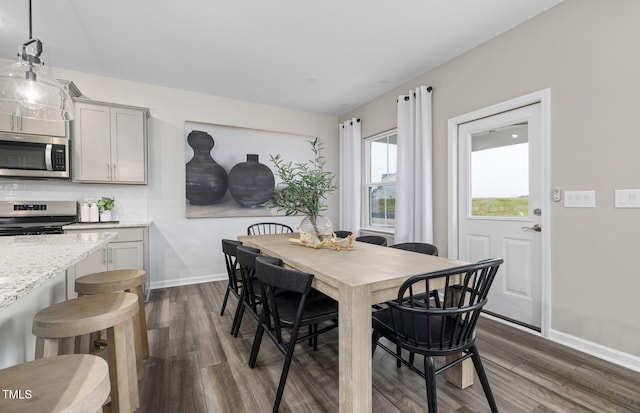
(23, 287)
(106, 225)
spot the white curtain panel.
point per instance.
(414, 203)
(350, 180)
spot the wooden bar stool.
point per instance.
(122, 280)
(74, 383)
(81, 316)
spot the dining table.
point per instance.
(357, 277)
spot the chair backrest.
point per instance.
(229, 249)
(274, 278)
(247, 261)
(342, 234)
(263, 228)
(420, 325)
(421, 247)
(373, 239)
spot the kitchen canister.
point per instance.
(94, 213)
(85, 214)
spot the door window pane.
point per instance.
(500, 172)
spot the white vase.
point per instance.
(105, 216)
(318, 226)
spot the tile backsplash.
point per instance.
(131, 201)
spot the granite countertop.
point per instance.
(29, 261)
(104, 225)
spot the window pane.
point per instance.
(382, 207)
(500, 172)
(383, 159)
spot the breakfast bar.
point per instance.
(32, 277)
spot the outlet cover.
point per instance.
(627, 198)
(579, 199)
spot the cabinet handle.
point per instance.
(20, 123)
(110, 255)
(12, 117)
(108, 171)
(115, 172)
(104, 256)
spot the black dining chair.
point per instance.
(342, 234)
(263, 228)
(250, 298)
(435, 331)
(289, 304)
(234, 284)
(421, 248)
(373, 239)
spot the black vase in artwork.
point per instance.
(251, 183)
(206, 180)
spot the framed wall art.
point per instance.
(228, 168)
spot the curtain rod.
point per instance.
(351, 122)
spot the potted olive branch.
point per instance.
(105, 205)
(303, 190)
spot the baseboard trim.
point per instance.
(187, 281)
(585, 346)
(597, 350)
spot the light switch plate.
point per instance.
(627, 198)
(579, 199)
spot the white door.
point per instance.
(500, 189)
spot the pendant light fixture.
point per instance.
(28, 91)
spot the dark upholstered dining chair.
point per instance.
(251, 293)
(435, 331)
(342, 234)
(234, 284)
(263, 228)
(373, 239)
(289, 303)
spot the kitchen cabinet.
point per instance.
(109, 143)
(18, 124)
(127, 251)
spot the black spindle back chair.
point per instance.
(264, 228)
(250, 297)
(415, 324)
(234, 284)
(373, 239)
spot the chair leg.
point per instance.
(477, 363)
(412, 357)
(436, 298)
(224, 302)
(430, 373)
(310, 333)
(398, 356)
(374, 342)
(237, 318)
(257, 340)
(285, 369)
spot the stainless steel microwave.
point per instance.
(34, 156)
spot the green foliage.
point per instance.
(500, 207)
(304, 186)
(106, 204)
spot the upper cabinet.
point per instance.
(109, 143)
(18, 124)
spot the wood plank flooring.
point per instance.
(197, 366)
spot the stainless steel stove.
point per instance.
(36, 217)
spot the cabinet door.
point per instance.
(128, 145)
(42, 127)
(126, 255)
(91, 142)
(17, 124)
(96, 262)
(8, 123)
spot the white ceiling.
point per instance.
(327, 56)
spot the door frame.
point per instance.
(544, 98)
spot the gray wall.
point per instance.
(587, 53)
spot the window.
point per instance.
(380, 181)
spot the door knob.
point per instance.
(536, 228)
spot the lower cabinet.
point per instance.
(126, 251)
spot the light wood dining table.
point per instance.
(357, 278)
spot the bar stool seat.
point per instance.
(122, 280)
(74, 383)
(81, 316)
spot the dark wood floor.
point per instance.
(197, 366)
